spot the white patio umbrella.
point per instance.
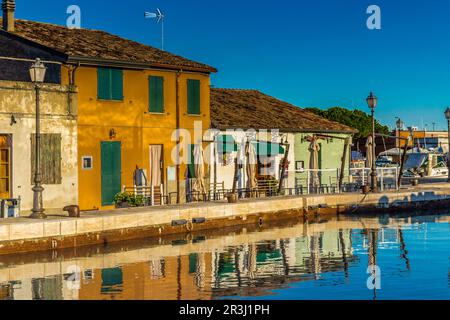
(199, 183)
(252, 166)
(314, 149)
(369, 154)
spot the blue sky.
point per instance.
(308, 52)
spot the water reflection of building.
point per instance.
(240, 263)
(170, 278)
(255, 268)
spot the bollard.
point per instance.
(74, 211)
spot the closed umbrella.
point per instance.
(199, 183)
(369, 153)
(252, 166)
(314, 149)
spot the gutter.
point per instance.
(95, 62)
(289, 130)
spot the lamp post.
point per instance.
(372, 101)
(37, 74)
(447, 116)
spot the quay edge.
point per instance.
(23, 235)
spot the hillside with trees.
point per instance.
(356, 119)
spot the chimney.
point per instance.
(8, 8)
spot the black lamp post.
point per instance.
(447, 116)
(37, 74)
(372, 101)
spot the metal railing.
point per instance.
(327, 180)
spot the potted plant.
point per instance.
(122, 200)
(232, 197)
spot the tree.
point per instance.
(356, 119)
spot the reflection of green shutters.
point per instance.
(226, 144)
(112, 280)
(193, 96)
(156, 94)
(111, 171)
(193, 263)
(110, 84)
(191, 164)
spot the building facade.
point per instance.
(279, 131)
(58, 142)
(132, 99)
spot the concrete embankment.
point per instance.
(25, 235)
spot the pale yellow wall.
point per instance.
(18, 99)
(135, 127)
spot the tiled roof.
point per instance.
(245, 109)
(93, 44)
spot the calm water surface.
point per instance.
(326, 259)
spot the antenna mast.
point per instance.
(160, 19)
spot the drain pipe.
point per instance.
(177, 89)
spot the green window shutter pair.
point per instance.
(110, 84)
(156, 94)
(193, 97)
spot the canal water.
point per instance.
(372, 257)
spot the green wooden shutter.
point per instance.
(191, 165)
(111, 171)
(193, 97)
(156, 94)
(110, 84)
(116, 84)
(104, 83)
(50, 158)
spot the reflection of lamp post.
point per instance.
(372, 101)
(447, 116)
(37, 73)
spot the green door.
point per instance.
(111, 171)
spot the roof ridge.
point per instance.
(79, 42)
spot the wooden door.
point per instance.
(111, 171)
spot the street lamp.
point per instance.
(447, 116)
(372, 102)
(37, 74)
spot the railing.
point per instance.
(153, 195)
(327, 180)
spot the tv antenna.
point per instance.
(159, 16)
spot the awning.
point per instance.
(226, 144)
(268, 149)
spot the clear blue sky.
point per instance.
(308, 52)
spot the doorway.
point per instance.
(5, 167)
(111, 171)
(156, 165)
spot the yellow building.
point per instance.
(131, 99)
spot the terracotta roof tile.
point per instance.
(87, 43)
(245, 109)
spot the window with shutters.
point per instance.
(110, 84)
(50, 158)
(193, 93)
(156, 94)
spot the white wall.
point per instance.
(18, 99)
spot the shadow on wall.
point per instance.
(384, 201)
